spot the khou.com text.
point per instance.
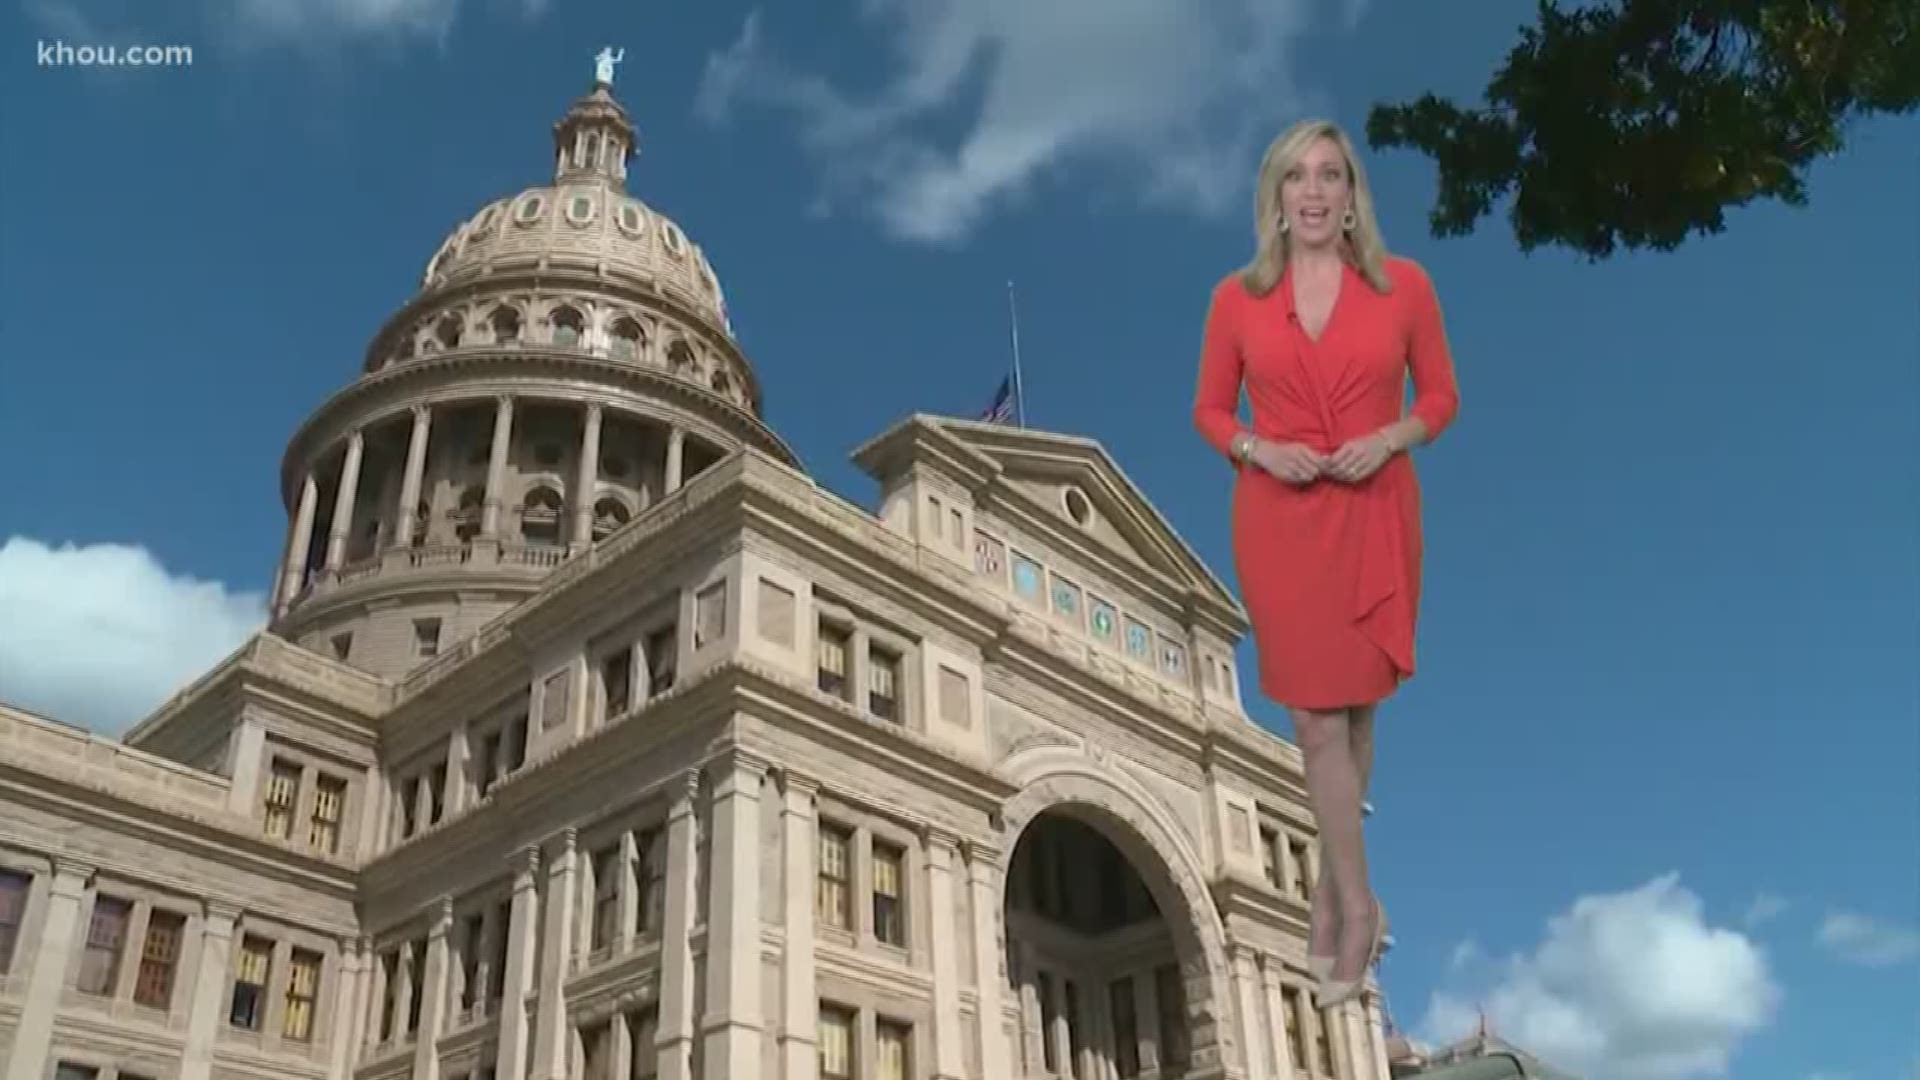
(58, 53)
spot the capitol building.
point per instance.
(591, 738)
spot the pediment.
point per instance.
(1079, 485)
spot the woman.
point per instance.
(1322, 329)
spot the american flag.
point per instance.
(1001, 410)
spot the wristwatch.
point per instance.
(1242, 447)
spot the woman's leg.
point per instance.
(1323, 926)
(1333, 787)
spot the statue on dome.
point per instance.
(603, 64)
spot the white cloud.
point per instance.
(1765, 908)
(1178, 94)
(1859, 939)
(305, 24)
(100, 635)
(1633, 985)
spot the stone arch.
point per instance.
(1064, 780)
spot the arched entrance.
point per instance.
(1115, 954)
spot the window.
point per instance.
(1322, 1049)
(606, 896)
(626, 341)
(1270, 855)
(831, 893)
(426, 637)
(663, 653)
(883, 683)
(892, 1050)
(497, 964)
(1126, 1030)
(643, 1029)
(436, 792)
(889, 922)
(836, 1043)
(390, 990)
(67, 1070)
(1171, 993)
(616, 682)
(303, 988)
(516, 744)
(342, 645)
(14, 887)
(417, 964)
(1302, 884)
(567, 326)
(1049, 1016)
(283, 788)
(249, 1005)
(409, 807)
(650, 881)
(472, 948)
(159, 958)
(506, 325)
(831, 650)
(329, 799)
(106, 936)
(1297, 1049)
(487, 763)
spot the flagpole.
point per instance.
(1019, 384)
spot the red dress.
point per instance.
(1329, 572)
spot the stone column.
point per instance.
(208, 1013)
(1276, 1014)
(517, 980)
(410, 480)
(433, 1005)
(343, 1027)
(799, 994)
(497, 468)
(676, 458)
(343, 501)
(33, 1032)
(1377, 1037)
(983, 887)
(1146, 1011)
(586, 482)
(550, 1034)
(675, 1037)
(375, 1015)
(731, 1029)
(949, 1061)
(299, 542)
(1246, 987)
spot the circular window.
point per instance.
(485, 220)
(1078, 506)
(676, 240)
(632, 220)
(529, 209)
(580, 209)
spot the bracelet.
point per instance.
(1242, 447)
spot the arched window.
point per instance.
(466, 514)
(722, 384)
(608, 515)
(628, 340)
(680, 359)
(568, 326)
(540, 516)
(506, 325)
(448, 331)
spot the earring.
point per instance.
(1348, 221)
(1283, 225)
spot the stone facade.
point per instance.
(592, 739)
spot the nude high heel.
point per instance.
(1332, 992)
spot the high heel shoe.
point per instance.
(1320, 967)
(1333, 992)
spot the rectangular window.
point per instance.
(836, 1043)
(417, 963)
(249, 1005)
(14, 889)
(409, 807)
(329, 802)
(1296, 1049)
(889, 915)
(1322, 1049)
(831, 646)
(67, 1070)
(106, 937)
(1302, 881)
(1172, 995)
(303, 989)
(650, 882)
(606, 897)
(616, 682)
(883, 683)
(426, 637)
(283, 790)
(159, 959)
(389, 991)
(832, 893)
(487, 764)
(497, 963)
(1270, 856)
(663, 659)
(892, 1050)
(1126, 1029)
(516, 745)
(472, 949)
(436, 792)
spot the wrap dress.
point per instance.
(1329, 571)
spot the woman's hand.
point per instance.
(1359, 458)
(1291, 462)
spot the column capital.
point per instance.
(564, 844)
(356, 439)
(982, 858)
(71, 868)
(441, 920)
(1270, 970)
(933, 835)
(794, 784)
(595, 409)
(526, 863)
(736, 762)
(503, 402)
(420, 411)
(216, 912)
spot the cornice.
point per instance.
(1270, 766)
(1258, 904)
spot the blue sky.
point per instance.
(1652, 799)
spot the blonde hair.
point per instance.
(1361, 246)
